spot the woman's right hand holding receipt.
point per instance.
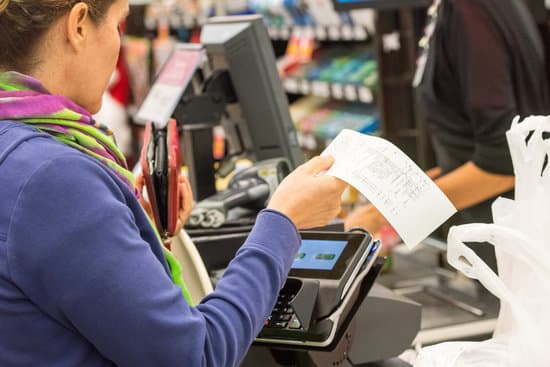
(307, 198)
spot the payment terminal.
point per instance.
(322, 288)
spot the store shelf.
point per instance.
(338, 91)
(322, 33)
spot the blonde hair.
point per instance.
(24, 22)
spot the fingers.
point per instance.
(340, 184)
(147, 207)
(333, 183)
(139, 182)
(318, 164)
(186, 199)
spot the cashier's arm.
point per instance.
(466, 186)
(469, 185)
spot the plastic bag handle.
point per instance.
(466, 260)
(496, 234)
(528, 158)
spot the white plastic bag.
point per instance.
(521, 236)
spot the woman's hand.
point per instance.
(145, 204)
(185, 197)
(307, 199)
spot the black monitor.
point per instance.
(341, 5)
(238, 86)
(259, 123)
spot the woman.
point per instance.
(83, 277)
(483, 64)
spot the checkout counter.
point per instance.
(418, 303)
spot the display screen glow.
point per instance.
(318, 254)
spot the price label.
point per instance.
(351, 92)
(297, 32)
(305, 87)
(176, 20)
(291, 85)
(360, 33)
(320, 89)
(337, 90)
(320, 33)
(273, 33)
(347, 32)
(284, 33)
(334, 33)
(365, 95)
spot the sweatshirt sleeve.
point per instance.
(482, 64)
(75, 250)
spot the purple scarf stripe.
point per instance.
(27, 81)
(18, 93)
(57, 129)
(103, 153)
(43, 103)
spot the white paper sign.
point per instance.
(395, 185)
(169, 86)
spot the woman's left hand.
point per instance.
(145, 204)
(185, 197)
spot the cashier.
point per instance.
(482, 64)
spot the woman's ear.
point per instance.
(78, 25)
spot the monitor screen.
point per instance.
(318, 254)
(258, 125)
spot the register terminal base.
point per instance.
(383, 327)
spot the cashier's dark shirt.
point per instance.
(485, 65)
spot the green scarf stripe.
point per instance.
(177, 275)
(67, 114)
(87, 128)
(173, 264)
(5, 85)
(68, 141)
(105, 138)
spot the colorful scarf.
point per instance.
(24, 99)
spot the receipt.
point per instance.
(396, 186)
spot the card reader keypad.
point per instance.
(283, 315)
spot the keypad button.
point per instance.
(279, 324)
(295, 324)
(282, 318)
